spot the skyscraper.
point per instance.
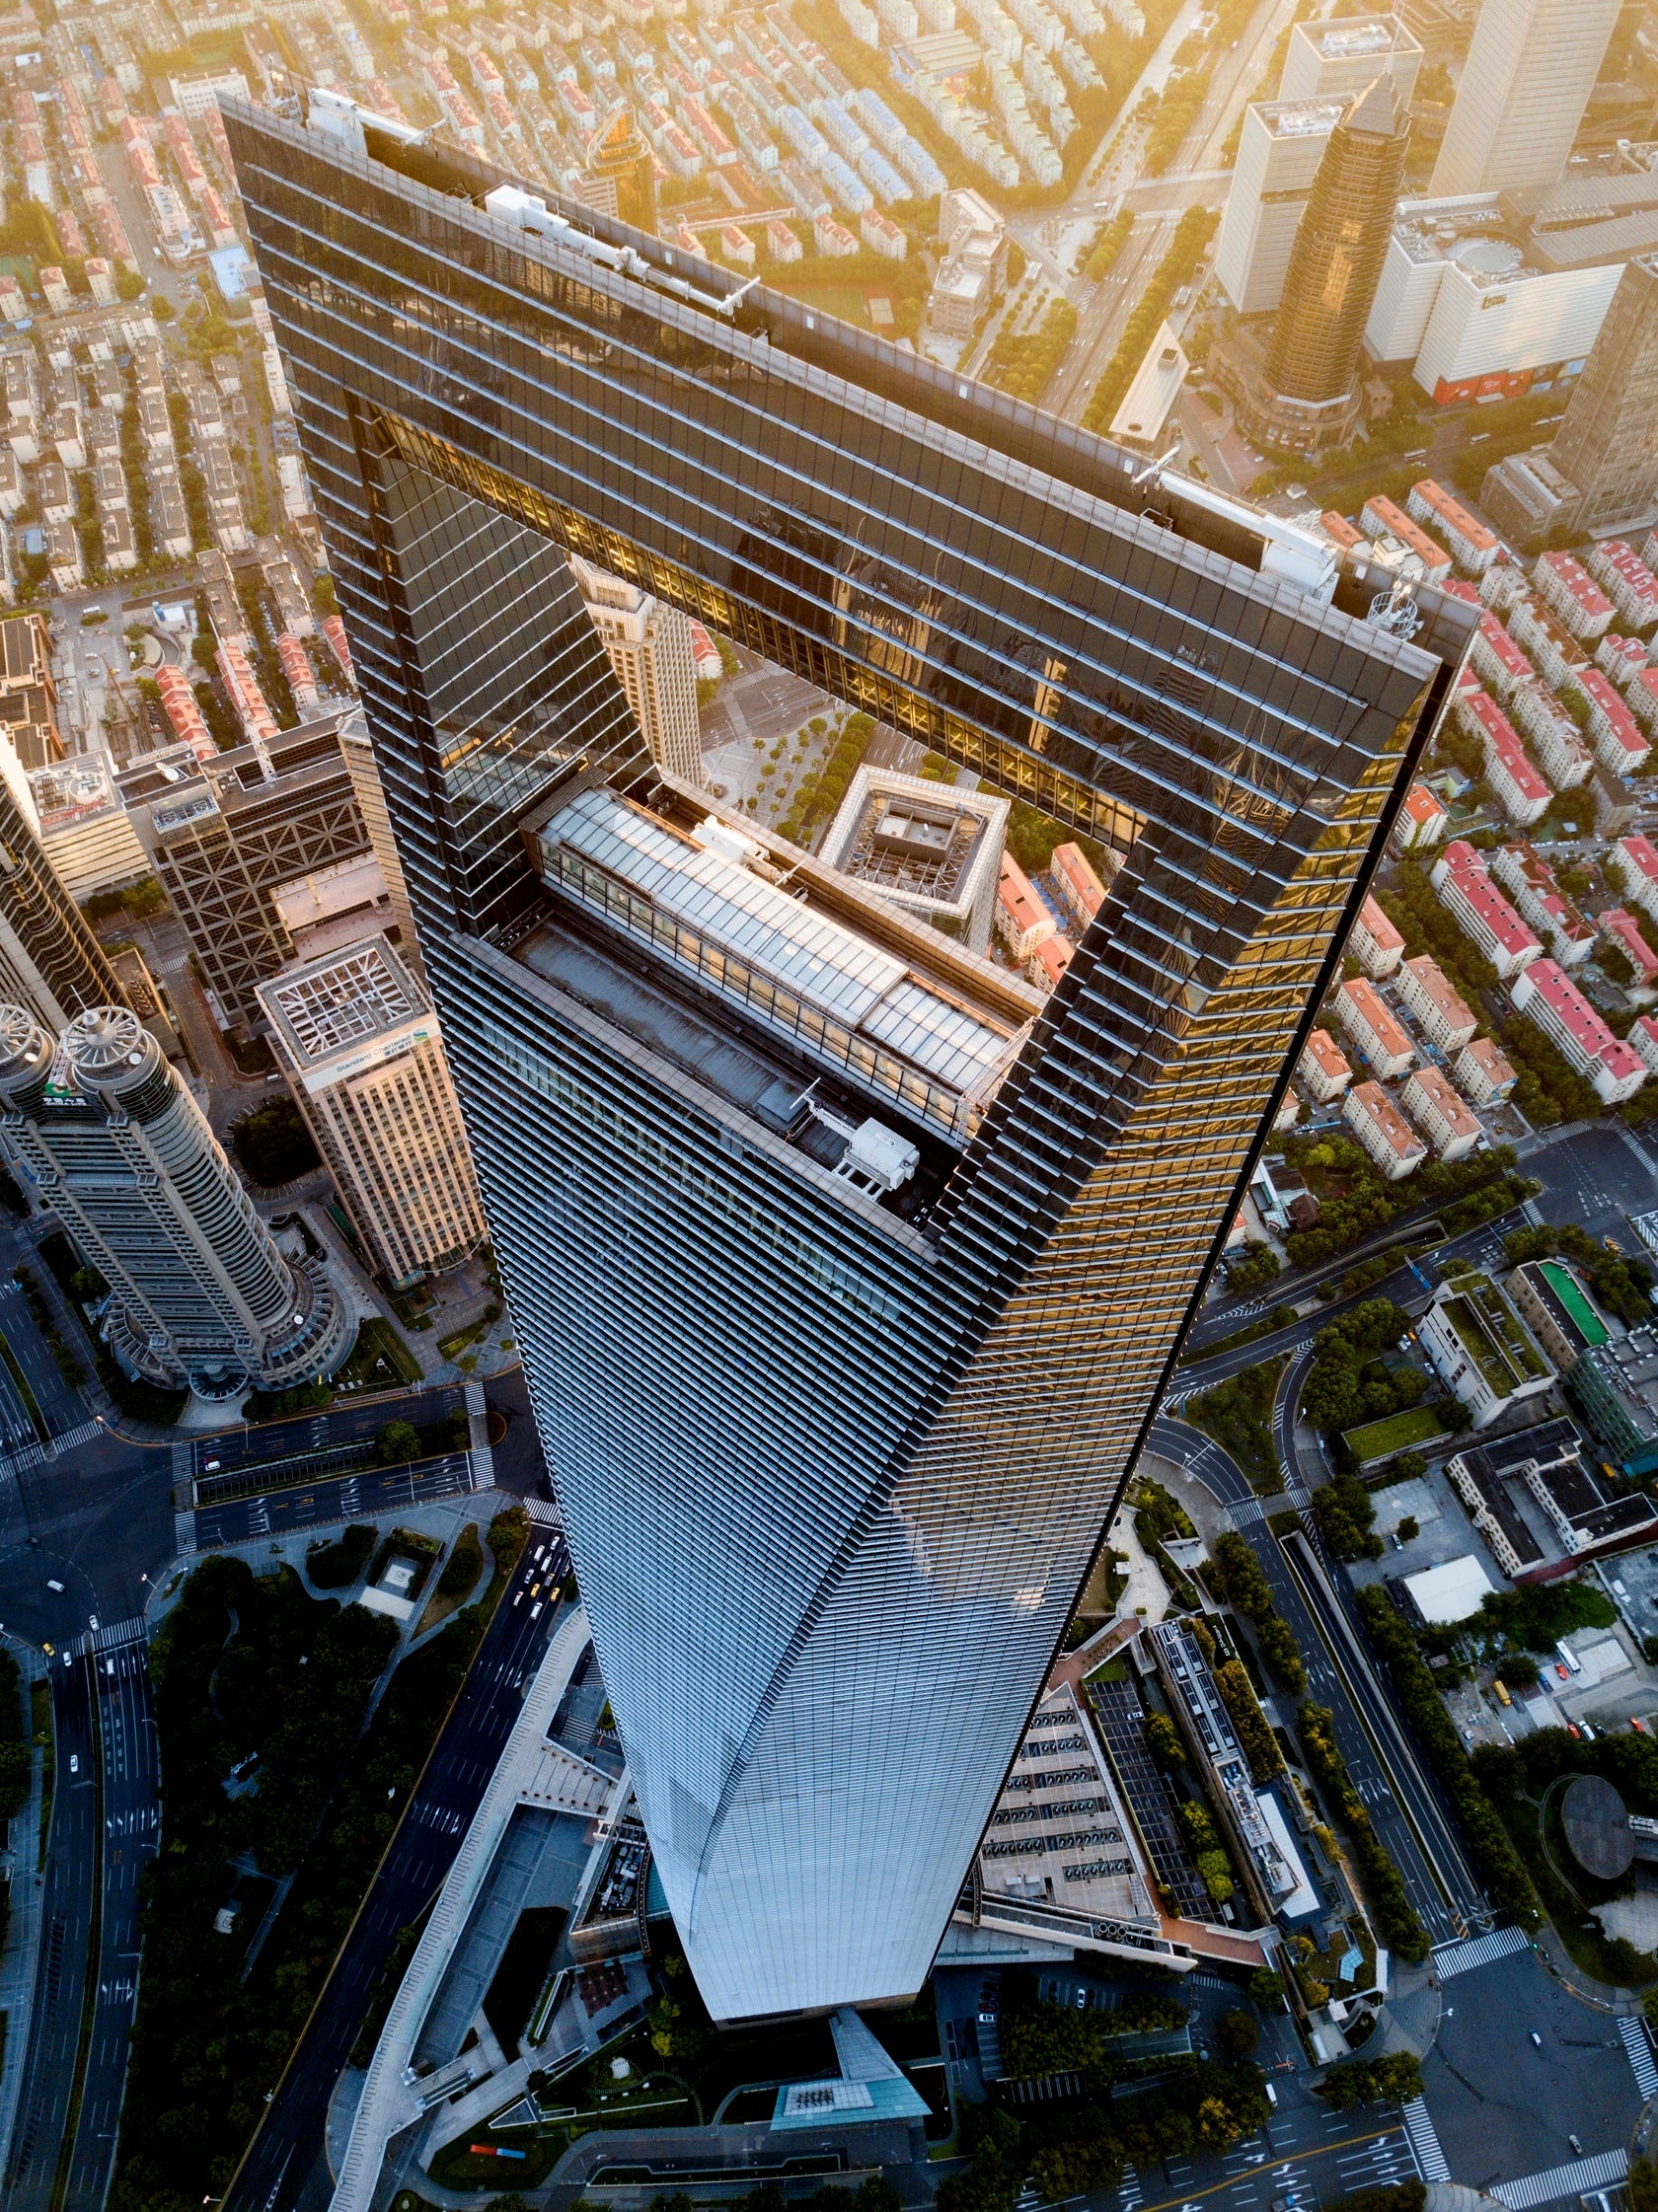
(1607, 445)
(1524, 87)
(1278, 156)
(1340, 243)
(650, 648)
(1334, 60)
(620, 179)
(49, 959)
(103, 1132)
(847, 1268)
(357, 746)
(358, 1041)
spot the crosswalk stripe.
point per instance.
(1559, 2182)
(1478, 1950)
(1424, 2143)
(1639, 2048)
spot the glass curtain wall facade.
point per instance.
(834, 1455)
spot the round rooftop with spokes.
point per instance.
(103, 1041)
(1597, 1825)
(21, 1035)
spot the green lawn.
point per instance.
(380, 1360)
(1379, 1440)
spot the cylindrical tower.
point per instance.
(115, 1143)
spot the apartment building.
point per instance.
(1479, 909)
(1021, 919)
(1619, 928)
(1323, 1070)
(1555, 651)
(1547, 996)
(1620, 744)
(1643, 1040)
(1433, 1105)
(1521, 792)
(1497, 660)
(1423, 820)
(1382, 1131)
(1373, 942)
(1531, 883)
(1425, 991)
(1561, 751)
(1483, 1072)
(1471, 545)
(1572, 596)
(1627, 582)
(1381, 1041)
(1637, 860)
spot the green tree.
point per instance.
(396, 1442)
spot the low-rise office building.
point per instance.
(1557, 1307)
(1478, 1347)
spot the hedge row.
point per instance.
(1260, 1746)
(1245, 1586)
(1489, 1845)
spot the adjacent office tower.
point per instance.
(621, 175)
(360, 1045)
(1607, 445)
(1283, 141)
(1524, 87)
(1311, 368)
(103, 1132)
(847, 1268)
(49, 959)
(650, 648)
(1334, 60)
(357, 746)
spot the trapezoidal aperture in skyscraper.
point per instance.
(847, 1267)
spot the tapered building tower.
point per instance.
(847, 1269)
(1309, 374)
(100, 1128)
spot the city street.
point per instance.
(284, 2166)
(131, 1832)
(45, 2110)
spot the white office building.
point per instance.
(1278, 156)
(1524, 88)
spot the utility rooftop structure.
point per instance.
(835, 1445)
(932, 849)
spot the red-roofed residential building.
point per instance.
(1322, 1070)
(1555, 653)
(1364, 1018)
(1077, 883)
(1638, 864)
(1473, 546)
(1483, 1072)
(1626, 581)
(1021, 919)
(1619, 741)
(1423, 820)
(1497, 660)
(1547, 996)
(1642, 697)
(1621, 658)
(1382, 518)
(1522, 793)
(1340, 532)
(1440, 1114)
(1373, 942)
(1445, 1016)
(1620, 926)
(1561, 751)
(1573, 595)
(1530, 882)
(705, 655)
(1382, 1131)
(1643, 1040)
(1049, 961)
(1481, 910)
